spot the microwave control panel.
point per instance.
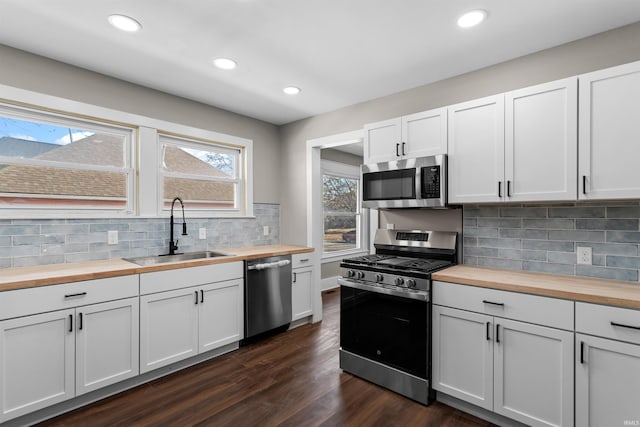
(431, 182)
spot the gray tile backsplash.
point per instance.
(544, 237)
(55, 241)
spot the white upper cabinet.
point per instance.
(609, 133)
(416, 135)
(541, 145)
(518, 146)
(476, 150)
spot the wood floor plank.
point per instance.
(291, 379)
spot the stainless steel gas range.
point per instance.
(385, 309)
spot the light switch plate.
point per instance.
(112, 237)
(584, 255)
(391, 226)
(265, 230)
(202, 233)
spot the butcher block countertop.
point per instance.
(43, 275)
(598, 291)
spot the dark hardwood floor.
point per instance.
(292, 379)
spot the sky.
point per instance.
(33, 131)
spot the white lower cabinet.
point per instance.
(514, 368)
(181, 323)
(302, 286)
(607, 366)
(51, 357)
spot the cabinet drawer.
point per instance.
(160, 281)
(609, 322)
(556, 313)
(23, 302)
(302, 260)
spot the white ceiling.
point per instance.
(340, 52)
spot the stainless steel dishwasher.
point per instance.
(267, 294)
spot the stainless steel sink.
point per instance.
(163, 259)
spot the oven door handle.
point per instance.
(421, 296)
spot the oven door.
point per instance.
(388, 329)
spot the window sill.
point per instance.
(340, 256)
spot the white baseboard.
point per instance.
(329, 283)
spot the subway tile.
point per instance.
(18, 251)
(547, 267)
(623, 212)
(523, 212)
(80, 257)
(129, 253)
(607, 224)
(551, 223)
(598, 259)
(18, 230)
(469, 260)
(500, 222)
(500, 263)
(487, 211)
(485, 252)
(546, 245)
(64, 229)
(523, 233)
(481, 232)
(623, 236)
(577, 235)
(108, 227)
(88, 238)
(625, 249)
(524, 255)
(607, 273)
(38, 239)
(5, 240)
(131, 236)
(470, 241)
(470, 222)
(499, 243)
(37, 260)
(562, 257)
(157, 243)
(104, 246)
(5, 262)
(623, 262)
(577, 212)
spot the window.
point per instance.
(54, 162)
(206, 176)
(342, 218)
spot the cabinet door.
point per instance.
(107, 344)
(382, 141)
(220, 314)
(541, 142)
(607, 378)
(36, 362)
(424, 133)
(533, 367)
(301, 293)
(168, 327)
(463, 355)
(476, 151)
(609, 133)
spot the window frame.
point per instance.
(344, 170)
(178, 141)
(143, 155)
(64, 119)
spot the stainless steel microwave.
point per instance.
(408, 183)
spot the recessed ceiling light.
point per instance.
(292, 90)
(225, 63)
(125, 23)
(471, 19)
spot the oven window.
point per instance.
(389, 185)
(387, 329)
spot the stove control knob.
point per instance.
(379, 278)
(399, 281)
(411, 283)
(360, 275)
(351, 273)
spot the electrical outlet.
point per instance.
(202, 233)
(584, 255)
(265, 230)
(391, 226)
(112, 237)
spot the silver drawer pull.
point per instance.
(625, 326)
(81, 294)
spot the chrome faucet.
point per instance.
(173, 247)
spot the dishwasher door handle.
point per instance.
(264, 266)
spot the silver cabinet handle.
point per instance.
(275, 264)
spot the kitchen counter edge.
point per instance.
(54, 274)
(583, 289)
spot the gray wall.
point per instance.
(600, 51)
(544, 237)
(340, 157)
(31, 72)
